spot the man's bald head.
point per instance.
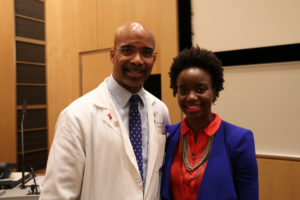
(132, 27)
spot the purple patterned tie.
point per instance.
(135, 130)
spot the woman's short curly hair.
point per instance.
(200, 58)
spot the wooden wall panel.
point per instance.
(95, 67)
(62, 76)
(169, 49)
(87, 23)
(279, 179)
(7, 83)
(71, 28)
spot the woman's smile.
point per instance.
(192, 108)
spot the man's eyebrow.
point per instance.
(130, 46)
(126, 46)
(148, 48)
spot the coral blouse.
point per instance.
(182, 189)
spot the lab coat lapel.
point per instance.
(109, 112)
(112, 117)
(128, 147)
(153, 141)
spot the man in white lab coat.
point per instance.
(92, 157)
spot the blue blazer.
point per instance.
(231, 172)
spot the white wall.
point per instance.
(264, 97)
(237, 24)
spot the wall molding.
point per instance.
(278, 157)
(270, 54)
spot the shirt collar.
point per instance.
(120, 94)
(210, 130)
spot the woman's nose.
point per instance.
(191, 96)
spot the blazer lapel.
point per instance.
(218, 178)
(210, 176)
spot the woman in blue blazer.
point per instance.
(206, 157)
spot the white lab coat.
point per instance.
(91, 157)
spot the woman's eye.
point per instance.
(201, 90)
(182, 91)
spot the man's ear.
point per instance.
(154, 57)
(112, 55)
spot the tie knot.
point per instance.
(134, 99)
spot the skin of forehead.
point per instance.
(132, 27)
